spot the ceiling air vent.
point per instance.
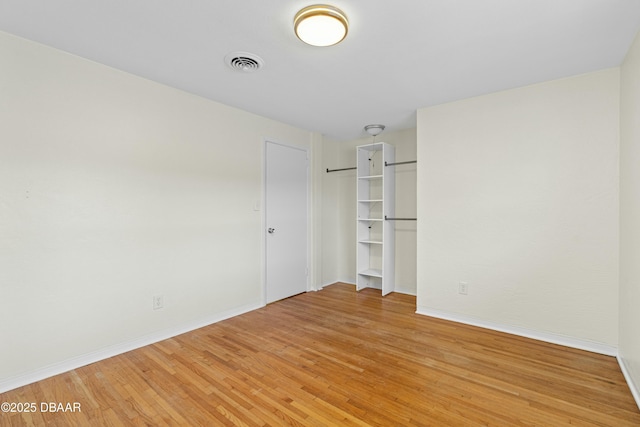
(244, 61)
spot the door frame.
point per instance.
(309, 186)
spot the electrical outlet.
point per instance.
(158, 302)
(463, 288)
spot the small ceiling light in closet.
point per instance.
(321, 25)
(374, 129)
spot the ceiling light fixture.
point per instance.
(374, 130)
(321, 25)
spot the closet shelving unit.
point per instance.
(376, 201)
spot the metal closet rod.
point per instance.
(338, 170)
(385, 163)
(400, 163)
(386, 218)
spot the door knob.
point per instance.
(271, 230)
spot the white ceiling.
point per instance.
(398, 56)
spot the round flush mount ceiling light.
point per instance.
(321, 25)
(374, 129)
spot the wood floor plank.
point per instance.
(338, 357)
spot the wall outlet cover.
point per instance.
(158, 302)
(463, 288)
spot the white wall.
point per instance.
(340, 197)
(114, 189)
(629, 346)
(330, 215)
(518, 197)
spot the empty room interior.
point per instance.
(210, 215)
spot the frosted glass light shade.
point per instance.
(374, 130)
(321, 25)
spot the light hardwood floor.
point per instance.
(338, 357)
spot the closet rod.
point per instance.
(386, 218)
(337, 170)
(400, 163)
(385, 163)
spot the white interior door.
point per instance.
(286, 221)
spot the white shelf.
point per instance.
(371, 273)
(375, 238)
(376, 146)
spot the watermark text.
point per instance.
(13, 407)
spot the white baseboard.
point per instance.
(399, 289)
(330, 283)
(635, 391)
(594, 347)
(11, 383)
(405, 290)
